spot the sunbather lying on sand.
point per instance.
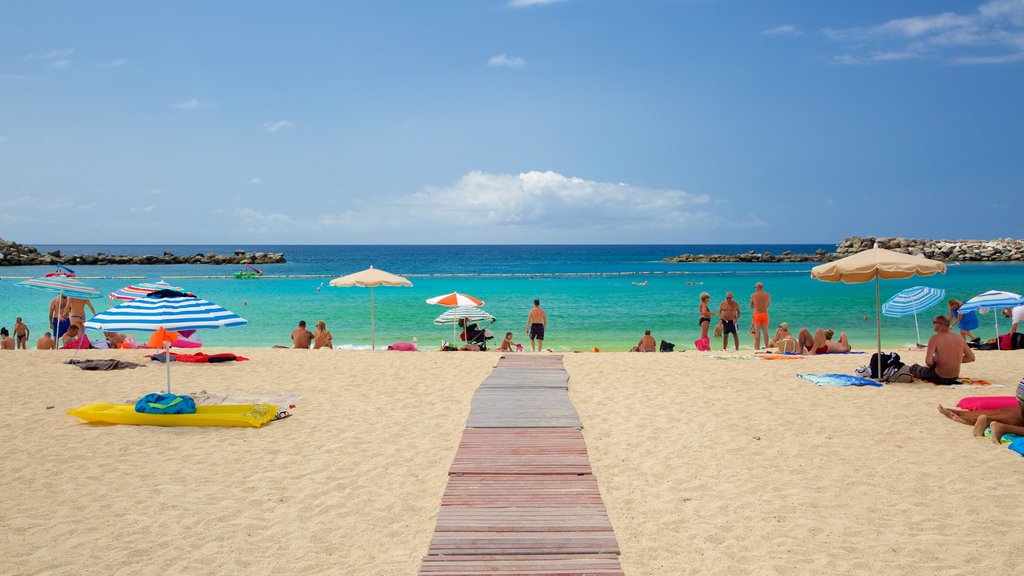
(821, 342)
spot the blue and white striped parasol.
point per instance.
(912, 301)
(151, 314)
(174, 313)
(993, 299)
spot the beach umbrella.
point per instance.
(455, 299)
(911, 301)
(171, 313)
(469, 314)
(371, 278)
(993, 299)
(873, 264)
(62, 285)
(142, 290)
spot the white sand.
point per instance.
(841, 480)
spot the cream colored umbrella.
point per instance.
(371, 278)
(873, 264)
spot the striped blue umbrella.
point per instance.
(59, 284)
(993, 299)
(151, 314)
(912, 301)
(175, 313)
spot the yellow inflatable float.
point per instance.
(252, 415)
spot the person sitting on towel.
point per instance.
(946, 352)
(1008, 420)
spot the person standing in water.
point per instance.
(536, 323)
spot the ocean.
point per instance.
(595, 296)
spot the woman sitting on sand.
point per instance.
(322, 338)
(821, 342)
(784, 339)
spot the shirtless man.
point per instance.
(75, 309)
(45, 343)
(759, 301)
(301, 338)
(21, 334)
(536, 322)
(646, 344)
(946, 352)
(729, 317)
(58, 319)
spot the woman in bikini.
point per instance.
(705, 314)
(322, 338)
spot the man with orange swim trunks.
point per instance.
(759, 301)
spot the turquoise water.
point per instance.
(589, 293)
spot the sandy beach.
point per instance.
(705, 465)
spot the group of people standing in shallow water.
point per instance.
(729, 312)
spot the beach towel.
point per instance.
(838, 380)
(702, 344)
(108, 364)
(780, 357)
(165, 404)
(200, 358)
(1017, 444)
(80, 343)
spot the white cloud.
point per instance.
(256, 180)
(51, 55)
(13, 78)
(154, 191)
(60, 64)
(993, 34)
(505, 61)
(784, 30)
(528, 3)
(144, 209)
(191, 104)
(17, 201)
(277, 126)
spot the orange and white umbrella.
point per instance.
(455, 299)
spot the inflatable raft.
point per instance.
(252, 415)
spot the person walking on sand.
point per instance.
(322, 338)
(759, 301)
(705, 315)
(729, 317)
(301, 338)
(536, 323)
(21, 334)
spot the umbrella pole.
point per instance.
(372, 342)
(995, 316)
(918, 328)
(167, 361)
(878, 326)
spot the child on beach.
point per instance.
(507, 345)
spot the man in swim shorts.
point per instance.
(536, 322)
(59, 321)
(21, 333)
(759, 301)
(729, 315)
(946, 352)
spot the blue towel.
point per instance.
(166, 404)
(1016, 444)
(838, 380)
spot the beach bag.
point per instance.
(166, 404)
(890, 364)
(901, 374)
(702, 344)
(667, 347)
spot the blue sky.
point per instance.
(497, 121)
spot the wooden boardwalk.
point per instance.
(521, 498)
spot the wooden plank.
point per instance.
(523, 519)
(522, 565)
(507, 490)
(528, 407)
(472, 543)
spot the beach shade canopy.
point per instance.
(136, 291)
(455, 299)
(61, 284)
(467, 313)
(912, 301)
(150, 314)
(993, 299)
(371, 278)
(873, 264)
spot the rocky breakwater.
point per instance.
(1005, 250)
(751, 256)
(14, 254)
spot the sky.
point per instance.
(509, 121)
